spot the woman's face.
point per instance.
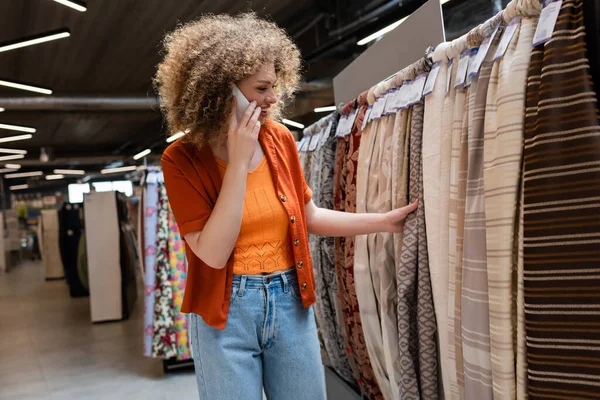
(260, 88)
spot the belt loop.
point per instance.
(285, 282)
(242, 286)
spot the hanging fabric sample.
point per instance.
(432, 133)
(150, 213)
(53, 266)
(502, 169)
(164, 340)
(178, 266)
(345, 200)
(561, 215)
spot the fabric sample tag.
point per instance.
(431, 78)
(547, 22)
(509, 32)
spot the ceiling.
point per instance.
(103, 109)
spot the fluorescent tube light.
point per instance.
(292, 123)
(69, 171)
(18, 187)
(444, 1)
(17, 128)
(142, 154)
(12, 157)
(38, 40)
(25, 87)
(12, 166)
(13, 151)
(15, 138)
(325, 109)
(2, 109)
(24, 175)
(73, 5)
(54, 177)
(175, 136)
(380, 32)
(117, 170)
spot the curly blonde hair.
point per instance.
(203, 58)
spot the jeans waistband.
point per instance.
(277, 279)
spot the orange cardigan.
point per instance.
(193, 182)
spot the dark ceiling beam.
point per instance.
(80, 161)
(80, 103)
(365, 19)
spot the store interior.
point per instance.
(393, 96)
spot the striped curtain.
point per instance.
(561, 216)
(432, 133)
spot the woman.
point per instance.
(240, 199)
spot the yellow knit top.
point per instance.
(263, 245)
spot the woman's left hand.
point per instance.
(394, 220)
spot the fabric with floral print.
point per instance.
(178, 265)
(164, 340)
(150, 221)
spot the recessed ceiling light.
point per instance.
(120, 169)
(292, 123)
(142, 154)
(69, 171)
(21, 86)
(325, 109)
(175, 136)
(54, 177)
(36, 40)
(12, 166)
(12, 157)
(15, 138)
(380, 32)
(69, 3)
(18, 187)
(17, 128)
(13, 151)
(23, 175)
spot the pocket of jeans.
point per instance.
(295, 290)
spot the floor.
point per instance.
(49, 349)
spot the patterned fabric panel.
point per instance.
(561, 241)
(151, 220)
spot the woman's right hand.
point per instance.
(243, 136)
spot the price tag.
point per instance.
(298, 145)
(378, 107)
(472, 71)
(463, 66)
(509, 32)
(431, 78)
(547, 22)
(404, 93)
(417, 89)
(326, 133)
(366, 118)
(340, 126)
(449, 77)
(314, 141)
(389, 104)
(351, 120)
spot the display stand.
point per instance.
(53, 266)
(104, 270)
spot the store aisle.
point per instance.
(49, 350)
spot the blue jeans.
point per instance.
(270, 342)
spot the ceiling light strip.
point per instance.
(54, 177)
(325, 109)
(37, 40)
(18, 187)
(13, 166)
(69, 172)
(73, 5)
(15, 138)
(2, 109)
(175, 136)
(292, 123)
(17, 128)
(142, 154)
(381, 32)
(24, 175)
(117, 170)
(13, 151)
(12, 157)
(21, 86)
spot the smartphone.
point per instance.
(242, 102)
